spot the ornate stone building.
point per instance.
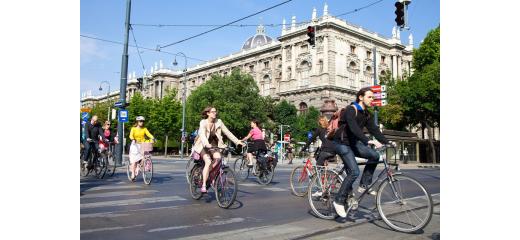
(288, 68)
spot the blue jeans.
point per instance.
(348, 156)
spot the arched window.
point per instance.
(303, 107)
(266, 90)
(352, 65)
(368, 69)
(304, 73)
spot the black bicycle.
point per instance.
(403, 203)
(263, 168)
(95, 163)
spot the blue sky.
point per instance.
(101, 61)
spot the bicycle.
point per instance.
(263, 172)
(108, 156)
(145, 165)
(191, 161)
(391, 194)
(95, 162)
(302, 175)
(221, 179)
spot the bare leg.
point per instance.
(205, 171)
(250, 158)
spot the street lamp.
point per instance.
(183, 130)
(108, 93)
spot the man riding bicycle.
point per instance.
(350, 142)
(93, 135)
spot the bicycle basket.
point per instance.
(147, 147)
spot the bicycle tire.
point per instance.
(302, 181)
(147, 170)
(188, 169)
(222, 185)
(325, 209)
(240, 167)
(418, 199)
(83, 169)
(265, 176)
(103, 165)
(196, 182)
(97, 165)
(111, 165)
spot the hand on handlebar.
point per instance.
(375, 143)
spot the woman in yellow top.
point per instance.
(137, 135)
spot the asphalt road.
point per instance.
(114, 208)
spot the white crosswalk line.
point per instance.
(131, 202)
(114, 187)
(108, 229)
(128, 212)
(276, 189)
(117, 194)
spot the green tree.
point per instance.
(165, 119)
(236, 98)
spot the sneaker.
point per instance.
(340, 209)
(317, 194)
(370, 191)
(203, 189)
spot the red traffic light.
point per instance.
(310, 29)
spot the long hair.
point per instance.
(361, 93)
(323, 122)
(206, 111)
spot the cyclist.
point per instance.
(137, 135)
(350, 142)
(92, 134)
(258, 141)
(327, 149)
(108, 136)
(210, 137)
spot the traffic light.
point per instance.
(140, 83)
(399, 14)
(311, 34)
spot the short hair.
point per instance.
(361, 93)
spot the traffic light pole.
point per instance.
(122, 87)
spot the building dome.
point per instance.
(258, 39)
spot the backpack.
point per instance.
(334, 122)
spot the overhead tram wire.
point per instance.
(145, 48)
(136, 46)
(249, 25)
(211, 30)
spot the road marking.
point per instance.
(131, 202)
(209, 224)
(114, 187)
(108, 229)
(127, 212)
(249, 184)
(276, 189)
(116, 194)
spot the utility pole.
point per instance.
(183, 130)
(122, 87)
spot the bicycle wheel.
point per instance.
(196, 182)
(189, 166)
(404, 204)
(226, 188)
(84, 170)
(98, 168)
(241, 168)
(299, 181)
(111, 164)
(322, 190)
(265, 176)
(103, 165)
(147, 169)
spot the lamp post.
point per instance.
(108, 93)
(183, 130)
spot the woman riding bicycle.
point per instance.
(103, 144)
(327, 150)
(258, 141)
(210, 139)
(137, 135)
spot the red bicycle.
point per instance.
(221, 179)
